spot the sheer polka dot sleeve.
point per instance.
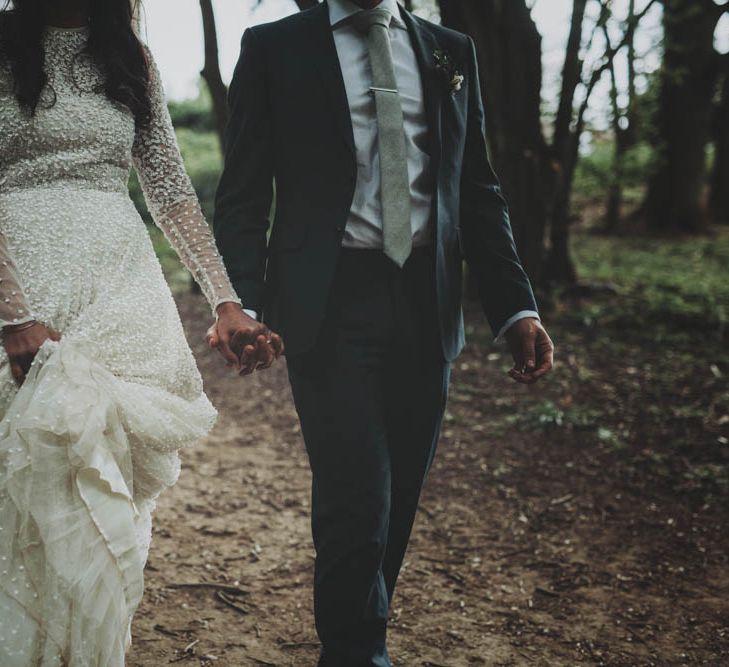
(13, 307)
(172, 201)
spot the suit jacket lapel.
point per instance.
(326, 61)
(425, 45)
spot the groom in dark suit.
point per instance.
(367, 124)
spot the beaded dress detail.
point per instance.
(92, 437)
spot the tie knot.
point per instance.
(365, 20)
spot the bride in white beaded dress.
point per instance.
(98, 387)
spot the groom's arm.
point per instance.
(245, 192)
(488, 242)
(490, 251)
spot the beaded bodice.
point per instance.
(79, 139)
(77, 136)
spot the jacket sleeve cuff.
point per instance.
(521, 315)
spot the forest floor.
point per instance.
(583, 521)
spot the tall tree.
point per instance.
(558, 266)
(719, 198)
(565, 147)
(509, 47)
(624, 123)
(538, 176)
(691, 65)
(211, 69)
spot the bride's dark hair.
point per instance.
(113, 46)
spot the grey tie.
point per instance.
(394, 178)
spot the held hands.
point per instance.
(22, 343)
(532, 349)
(246, 344)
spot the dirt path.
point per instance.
(532, 547)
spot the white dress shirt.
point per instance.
(364, 225)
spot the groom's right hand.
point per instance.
(246, 344)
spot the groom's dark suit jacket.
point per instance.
(290, 124)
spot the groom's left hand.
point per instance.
(532, 349)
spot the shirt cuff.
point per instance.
(521, 315)
(250, 313)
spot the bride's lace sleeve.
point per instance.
(172, 201)
(13, 307)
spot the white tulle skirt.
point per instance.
(91, 439)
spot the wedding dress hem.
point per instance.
(68, 440)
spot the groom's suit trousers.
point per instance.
(371, 397)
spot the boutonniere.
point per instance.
(445, 65)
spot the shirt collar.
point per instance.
(341, 10)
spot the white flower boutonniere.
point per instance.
(445, 65)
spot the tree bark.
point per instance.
(632, 130)
(571, 77)
(673, 202)
(559, 266)
(719, 198)
(624, 134)
(509, 50)
(211, 70)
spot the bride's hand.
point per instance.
(22, 343)
(246, 344)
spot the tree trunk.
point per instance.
(571, 77)
(509, 50)
(614, 204)
(624, 134)
(719, 199)
(632, 129)
(688, 77)
(559, 267)
(211, 70)
(615, 188)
